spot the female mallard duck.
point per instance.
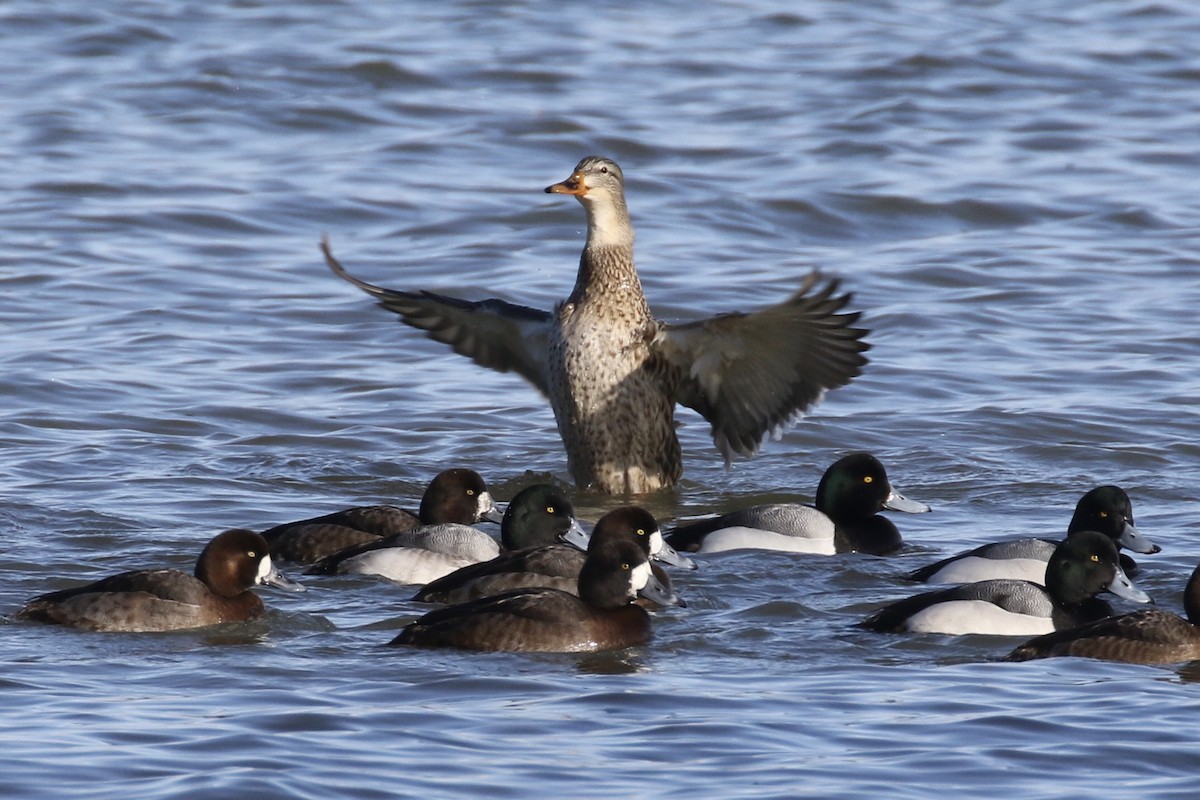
(613, 373)
(1143, 637)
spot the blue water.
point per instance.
(1008, 188)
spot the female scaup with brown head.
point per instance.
(845, 518)
(1105, 509)
(602, 617)
(554, 565)
(167, 599)
(1143, 637)
(454, 495)
(1082, 566)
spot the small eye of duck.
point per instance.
(1103, 515)
(251, 554)
(549, 509)
(604, 170)
(470, 492)
(625, 565)
(868, 479)
(1095, 558)
(640, 531)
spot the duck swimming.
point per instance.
(555, 565)
(454, 495)
(1143, 637)
(1082, 566)
(613, 373)
(1105, 509)
(852, 492)
(168, 599)
(603, 616)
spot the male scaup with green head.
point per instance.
(603, 616)
(1143, 637)
(167, 599)
(613, 373)
(1106, 509)
(852, 492)
(1082, 566)
(454, 495)
(556, 565)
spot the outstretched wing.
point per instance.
(750, 374)
(492, 333)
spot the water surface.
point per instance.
(1009, 191)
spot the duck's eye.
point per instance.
(641, 531)
(1103, 515)
(625, 565)
(251, 554)
(549, 509)
(604, 170)
(470, 492)
(868, 479)
(1095, 558)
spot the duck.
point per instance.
(602, 616)
(1106, 509)
(557, 565)
(457, 495)
(413, 557)
(613, 373)
(1083, 565)
(1150, 636)
(157, 600)
(845, 517)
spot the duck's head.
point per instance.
(592, 176)
(598, 183)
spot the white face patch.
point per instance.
(485, 503)
(656, 543)
(639, 577)
(265, 568)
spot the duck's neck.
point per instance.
(606, 267)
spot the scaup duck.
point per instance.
(602, 617)
(852, 492)
(1082, 566)
(613, 373)
(1143, 637)
(412, 557)
(554, 565)
(168, 599)
(1106, 509)
(454, 495)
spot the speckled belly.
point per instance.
(614, 411)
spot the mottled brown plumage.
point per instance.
(613, 373)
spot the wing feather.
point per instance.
(493, 333)
(749, 374)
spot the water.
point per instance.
(1009, 190)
